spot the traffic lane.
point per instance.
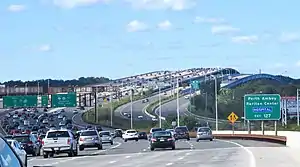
(216, 158)
(137, 108)
(63, 158)
(253, 143)
(170, 108)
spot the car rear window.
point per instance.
(88, 133)
(58, 134)
(162, 134)
(203, 130)
(105, 133)
(131, 131)
(156, 129)
(181, 129)
(22, 139)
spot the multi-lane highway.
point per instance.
(217, 153)
(170, 108)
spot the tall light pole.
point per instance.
(216, 102)
(111, 107)
(38, 85)
(178, 116)
(131, 121)
(159, 96)
(297, 98)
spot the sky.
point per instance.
(66, 39)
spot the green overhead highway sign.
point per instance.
(44, 101)
(19, 101)
(195, 85)
(64, 100)
(262, 107)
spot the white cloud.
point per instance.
(245, 39)
(165, 25)
(176, 5)
(224, 29)
(77, 3)
(16, 8)
(289, 37)
(199, 19)
(136, 25)
(45, 48)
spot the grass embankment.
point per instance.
(152, 107)
(104, 115)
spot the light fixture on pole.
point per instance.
(111, 107)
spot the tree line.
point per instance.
(82, 81)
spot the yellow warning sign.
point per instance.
(232, 117)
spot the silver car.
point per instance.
(204, 133)
(106, 137)
(89, 139)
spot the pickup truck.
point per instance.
(59, 141)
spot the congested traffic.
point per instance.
(46, 132)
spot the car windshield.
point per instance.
(22, 139)
(58, 134)
(88, 133)
(203, 130)
(162, 134)
(105, 133)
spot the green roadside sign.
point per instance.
(63, 100)
(262, 107)
(44, 101)
(195, 85)
(20, 101)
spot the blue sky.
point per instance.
(116, 38)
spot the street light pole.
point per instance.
(297, 98)
(131, 121)
(25, 88)
(178, 116)
(159, 96)
(216, 103)
(38, 85)
(111, 108)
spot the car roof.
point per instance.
(105, 131)
(131, 130)
(11, 140)
(54, 130)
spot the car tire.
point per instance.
(136, 139)
(81, 148)
(211, 139)
(188, 139)
(125, 140)
(111, 143)
(25, 160)
(173, 147)
(34, 154)
(197, 140)
(71, 153)
(46, 155)
(152, 148)
(76, 151)
(100, 147)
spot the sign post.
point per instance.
(262, 107)
(232, 118)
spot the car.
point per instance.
(29, 143)
(118, 133)
(145, 100)
(162, 139)
(60, 116)
(19, 150)
(204, 133)
(45, 121)
(15, 116)
(143, 135)
(88, 139)
(182, 132)
(171, 130)
(130, 135)
(59, 141)
(152, 130)
(106, 137)
(9, 156)
(62, 123)
(75, 112)
(140, 117)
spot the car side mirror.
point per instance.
(100, 135)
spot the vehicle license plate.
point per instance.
(161, 140)
(56, 149)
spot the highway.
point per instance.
(217, 153)
(170, 108)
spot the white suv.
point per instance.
(130, 135)
(59, 141)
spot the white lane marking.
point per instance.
(31, 159)
(169, 164)
(250, 153)
(127, 156)
(111, 162)
(97, 152)
(191, 145)
(144, 150)
(187, 154)
(180, 158)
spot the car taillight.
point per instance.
(43, 142)
(69, 141)
(170, 139)
(153, 139)
(81, 139)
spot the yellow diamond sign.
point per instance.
(232, 117)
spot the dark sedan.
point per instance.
(143, 135)
(162, 139)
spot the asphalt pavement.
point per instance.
(170, 108)
(217, 153)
